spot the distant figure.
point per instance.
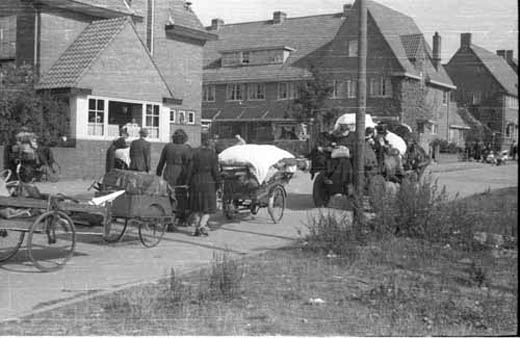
(512, 150)
(140, 153)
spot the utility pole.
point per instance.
(361, 110)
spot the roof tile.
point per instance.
(67, 70)
(499, 68)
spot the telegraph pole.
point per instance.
(360, 114)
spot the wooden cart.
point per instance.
(238, 197)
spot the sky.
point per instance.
(493, 23)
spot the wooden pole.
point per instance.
(360, 114)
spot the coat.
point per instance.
(203, 180)
(111, 153)
(174, 162)
(140, 155)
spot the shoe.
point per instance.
(203, 231)
(196, 233)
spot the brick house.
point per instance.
(252, 72)
(487, 84)
(114, 62)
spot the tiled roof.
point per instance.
(184, 16)
(68, 69)
(394, 26)
(102, 8)
(411, 44)
(304, 34)
(276, 110)
(499, 68)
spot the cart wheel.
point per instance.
(229, 209)
(51, 241)
(151, 232)
(10, 242)
(115, 230)
(276, 205)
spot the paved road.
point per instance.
(98, 267)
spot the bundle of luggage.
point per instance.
(135, 183)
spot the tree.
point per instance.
(21, 105)
(312, 98)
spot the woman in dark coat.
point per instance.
(203, 180)
(176, 156)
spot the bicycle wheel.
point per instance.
(51, 172)
(276, 204)
(51, 241)
(10, 242)
(152, 231)
(115, 230)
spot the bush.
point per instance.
(422, 210)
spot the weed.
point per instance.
(225, 277)
(332, 233)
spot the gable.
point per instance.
(125, 69)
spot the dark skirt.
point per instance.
(203, 193)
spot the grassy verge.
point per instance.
(333, 283)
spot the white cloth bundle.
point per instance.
(123, 154)
(259, 157)
(350, 119)
(395, 141)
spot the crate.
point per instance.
(132, 206)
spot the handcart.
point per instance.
(51, 230)
(238, 196)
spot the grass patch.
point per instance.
(392, 286)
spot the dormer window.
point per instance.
(256, 56)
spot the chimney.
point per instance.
(465, 40)
(216, 24)
(509, 55)
(346, 9)
(279, 17)
(502, 53)
(436, 57)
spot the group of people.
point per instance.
(182, 167)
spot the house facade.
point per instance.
(487, 84)
(253, 71)
(116, 63)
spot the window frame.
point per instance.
(155, 116)
(253, 91)
(208, 93)
(173, 113)
(97, 112)
(231, 92)
(190, 118)
(351, 52)
(181, 114)
(351, 89)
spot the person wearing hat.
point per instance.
(140, 153)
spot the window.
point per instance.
(172, 115)
(445, 97)
(283, 90)
(181, 117)
(96, 117)
(208, 93)
(476, 98)
(351, 88)
(8, 37)
(352, 48)
(338, 89)
(235, 92)
(152, 120)
(434, 129)
(256, 91)
(191, 117)
(380, 87)
(244, 59)
(511, 102)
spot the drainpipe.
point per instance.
(37, 37)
